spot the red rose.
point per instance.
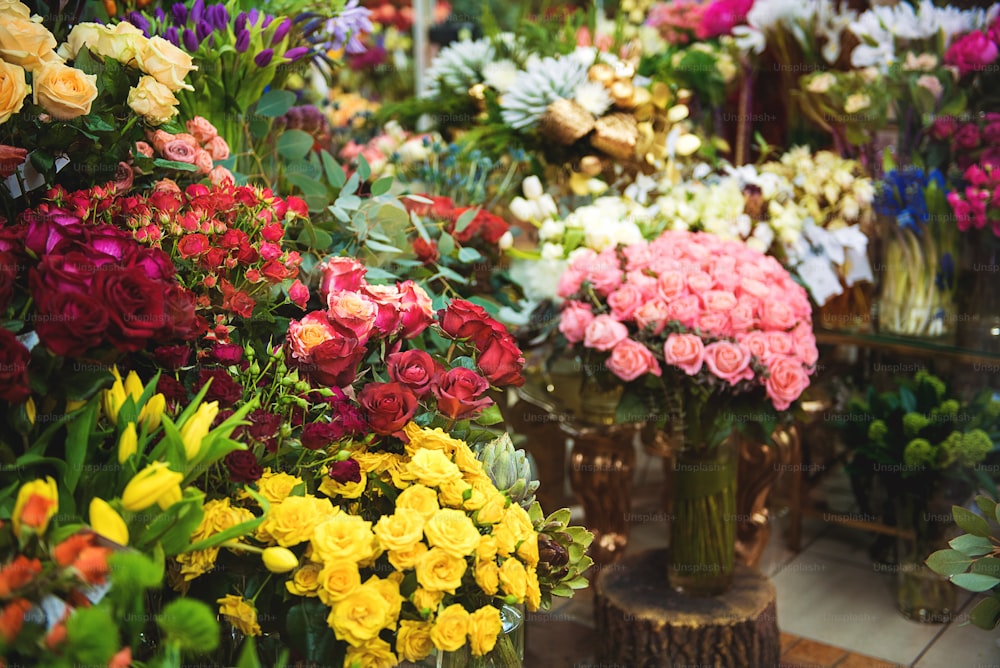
(263, 426)
(335, 361)
(70, 323)
(459, 393)
(179, 305)
(72, 272)
(226, 353)
(319, 435)
(465, 320)
(273, 232)
(426, 251)
(223, 389)
(501, 361)
(14, 359)
(413, 368)
(171, 389)
(274, 271)
(8, 274)
(346, 471)
(172, 358)
(192, 245)
(389, 406)
(213, 258)
(135, 305)
(243, 466)
(235, 300)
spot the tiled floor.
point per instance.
(834, 607)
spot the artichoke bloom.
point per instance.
(279, 559)
(105, 521)
(37, 501)
(149, 484)
(196, 428)
(152, 413)
(127, 443)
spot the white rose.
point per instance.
(505, 241)
(598, 236)
(627, 233)
(551, 251)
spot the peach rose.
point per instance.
(625, 301)
(64, 92)
(719, 300)
(604, 333)
(780, 343)
(685, 310)
(741, 318)
(220, 176)
(13, 90)
(167, 186)
(637, 256)
(354, 312)
(777, 315)
(685, 351)
(202, 129)
(574, 319)
(218, 148)
(606, 274)
(631, 359)
(188, 139)
(699, 282)
(670, 285)
(756, 343)
(785, 382)
(203, 161)
(652, 316)
(144, 149)
(27, 43)
(754, 287)
(305, 334)
(728, 361)
(160, 139)
(715, 323)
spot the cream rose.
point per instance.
(13, 90)
(121, 43)
(14, 8)
(64, 92)
(166, 63)
(153, 101)
(27, 43)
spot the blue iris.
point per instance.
(902, 195)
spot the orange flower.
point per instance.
(56, 636)
(18, 573)
(67, 551)
(92, 564)
(123, 659)
(36, 503)
(12, 619)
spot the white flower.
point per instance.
(531, 186)
(552, 251)
(551, 229)
(932, 84)
(821, 83)
(413, 151)
(856, 103)
(524, 210)
(768, 14)
(864, 191)
(598, 235)
(744, 224)
(500, 74)
(850, 208)
(627, 233)
(748, 39)
(505, 241)
(547, 206)
(594, 97)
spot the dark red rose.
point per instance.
(426, 251)
(319, 435)
(465, 320)
(943, 127)
(335, 361)
(14, 360)
(226, 353)
(70, 323)
(346, 471)
(967, 137)
(991, 133)
(413, 368)
(460, 393)
(185, 323)
(350, 418)
(8, 274)
(172, 358)
(135, 305)
(171, 389)
(389, 406)
(223, 389)
(263, 426)
(501, 361)
(439, 207)
(243, 466)
(70, 272)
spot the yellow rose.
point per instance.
(420, 498)
(476, 501)
(485, 627)
(450, 628)
(453, 532)
(196, 563)
(534, 597)
(13, 90)
(337, 580)
(64, 92)
(466, 459)
(396, 472)
(400, 530)
(431, 439)
(492, 511)
(413, 640)
(26, 43)
(426, 601)
(220, 516)
(373, 654)
(346, 537)
(404, 560)
(439, 571)
(514, 579)
(241, 613)
(360, 616)
(166, 63)
(487, 548)
(294, 520)
(153, 101)
(506, 541)
(276, 487)
(452, 493)
(345, 490)
(14, 8)
(432, 468)
(528, 550)
(373, 461)
(519, 521)
(388, 588)
(305, 580)
(488, 576)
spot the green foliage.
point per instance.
(190, 625)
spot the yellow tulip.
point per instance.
(113, 398)
(133, 386)
(105, 521)
(127, 443)
(279, 559)
(170, 497)
(148, 485)
(37, 501)
(29, 410)
(73, 404)
(152, 412)
(196, 428)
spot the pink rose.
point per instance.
(741, 318)
(299, 293)
(637, 256)
(719, 300)
(631, 359)
(971, 53)
(777, 315)
(728, 361)
(756, 343)
(574, 319)
(670, 285)
(203, 161)
(643, 282)
(625, 301)
(685, 351)
(202, 129)
(606, 275)
(754, 287)
(416, 312)
(220, 176)
(144, 149)
(354, 312)
(699, 282)
(179, 150)
(570, 283)
(305, 334)
(387, 301)
(715, 323)
(805, 344)
(719, 17)
(780, 343)
(685, 310)
(218, 148)
(785, 382)
(604, 333)
(652, 316)
(340, 273)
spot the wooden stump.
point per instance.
(643, 623)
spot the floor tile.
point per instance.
(843, 605)
(787, 640)
(808, 652)
(963, 645)
(860, 661)
(845, 544)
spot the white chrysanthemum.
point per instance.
(459, 66)
(768, 14)
(539, 85)
(594, 97)
(500, 75)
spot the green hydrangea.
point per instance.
(924, 377)
(993, 410)
(976, 444)
(877, 431)
(948, 407)
(919, 452)
(913, 423)
(949, 449)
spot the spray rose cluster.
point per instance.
(722, 313)
(979, 201)
(201, 146)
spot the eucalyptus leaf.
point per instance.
(382, 186)
(986, 613)
(275, 103)
(948, 562)
(975, 582)
(295, 144)
(987, 566)
(970, 522)
(972, 546)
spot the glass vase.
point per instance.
(508, 652)
(926, 526)
(703, 519)
(850, 311)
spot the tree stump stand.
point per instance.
(643, 623)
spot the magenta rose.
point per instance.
(719, 17)
(70, 323)
(728, 361)
(459, 393)
(500, 359)
(14, 361)
(574, 319)
(226, 354)
(346, 471)
(631, 359)
(625, 301)
(299, 294)
(943, 127)
(685, 351)
(416, 312)
(8, 274)
(967, 137)
(785, 382)
(340, 273)
(971, 52)
(414, 369)
(389, 406)
(335, 361)
(604, 333)
(243, 467)
(48, 232)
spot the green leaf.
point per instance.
(382, 186)
(379, 274)
(77, 440)
(465, 220)
(948, 562)
(446, 244)
(987, 505)
(88, 642)
(379, 247)
(909, 401)
(238, 531)
(309, 633)
(84, 384)
(295, 144)
(275, 103)
(468, 255)
(334, 172)
(173, 164)
(490, 416)
(309, 186)
(987, 566)
(986, 613)
(191, 624)
(970, 522)
(975, 582)
(972, 546)
(248, 656)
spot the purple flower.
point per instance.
(241, 22)
(267, 21)
(242, 41)
(280, 33)
(218, 16)
(160, 15)
(170, 34)
(263, 59)
(203, 30)
(180, 13)
(347, 27)
(197, 11)
(253, 15)
(296, 53)
(190, 40)
(139, 21)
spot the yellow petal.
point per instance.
(105, 521)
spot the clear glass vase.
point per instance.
(508, 652)
(921, 594)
